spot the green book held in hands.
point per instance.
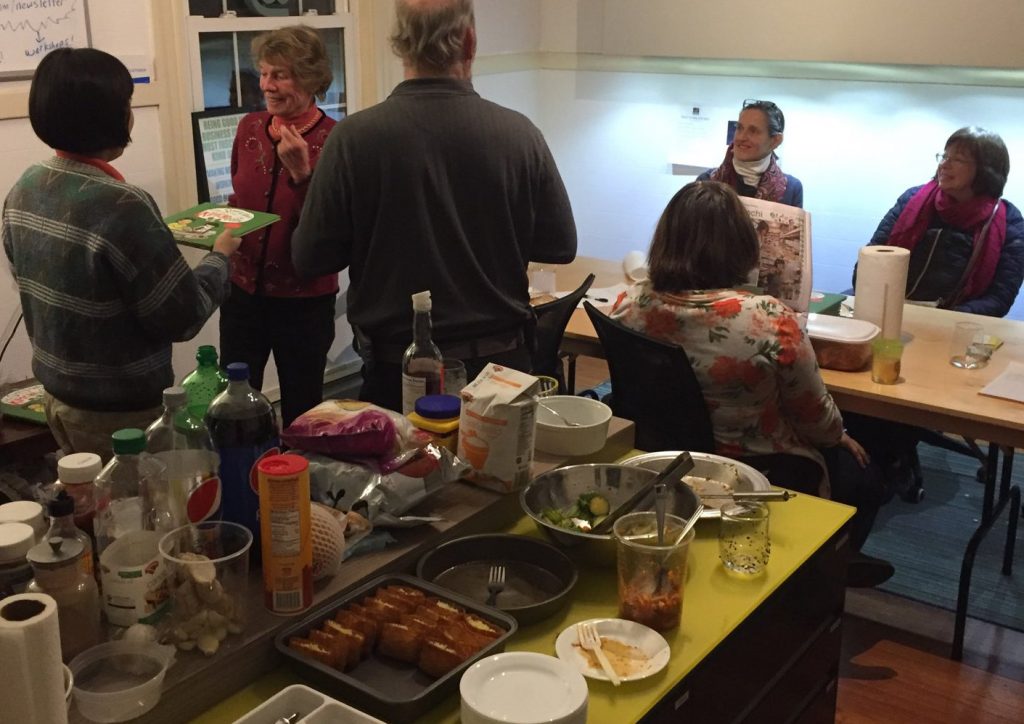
(202, 224)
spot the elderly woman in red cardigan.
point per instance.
(271, 308)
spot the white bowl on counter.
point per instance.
(556, 436)
(523, 688)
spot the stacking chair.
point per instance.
(552, 319)
(654, 386)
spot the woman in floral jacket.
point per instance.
(754, 364)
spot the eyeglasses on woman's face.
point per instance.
(957, 159)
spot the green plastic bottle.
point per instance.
(205, 382)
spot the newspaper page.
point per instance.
(785, 235)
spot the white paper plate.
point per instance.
(649, 641)
(522, 686)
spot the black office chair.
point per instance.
(552, 319)
(654, 386)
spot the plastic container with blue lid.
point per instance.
(438, 415)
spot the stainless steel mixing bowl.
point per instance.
(559, 488)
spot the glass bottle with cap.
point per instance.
(56, 564)
(438, 415)
(16, 539)
(77, 475)
(62, 524)
(422, 364)
(28, 512)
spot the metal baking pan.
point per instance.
(740, 476)
(538, 576)
(388, 689)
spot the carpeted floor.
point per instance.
(926, 542)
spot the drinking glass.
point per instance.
(454, 376)
(743, 541)
(967, 349)
(885, 360)
(650, 575)
(548, 386)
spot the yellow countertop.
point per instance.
(715, 603)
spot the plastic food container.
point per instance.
(556, 436)
(841, 343)
(119, 680)
(380, 685)
(311, 706)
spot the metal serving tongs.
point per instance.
(768, 496)
(680, 466)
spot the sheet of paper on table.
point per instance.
(1009, 385)
(603, 297)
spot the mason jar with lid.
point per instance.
(57, 566)
(16, 539)
(77, 474)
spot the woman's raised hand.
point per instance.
(226, 243)
(294, 153)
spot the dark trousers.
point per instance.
(297, 330)
(863, 488)
(382, 381)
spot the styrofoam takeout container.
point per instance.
(312, 707)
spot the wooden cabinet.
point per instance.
(782, 663)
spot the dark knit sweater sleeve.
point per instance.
(170, 300)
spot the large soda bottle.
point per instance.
(133, 512)
(243, 425)
(182, 443)
(422, 365)
(205, 382)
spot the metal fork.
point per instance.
(495, 584)
(589, 639)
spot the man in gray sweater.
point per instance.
(435, 188)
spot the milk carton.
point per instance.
(496, 427)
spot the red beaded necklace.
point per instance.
(301, 123)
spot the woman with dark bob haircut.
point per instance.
(966, 244)
(104, 288)
(271, 309)
(756, 367)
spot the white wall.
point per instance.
(855, 146)
(922, 32)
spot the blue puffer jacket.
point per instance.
(998, 298)
(792, 196)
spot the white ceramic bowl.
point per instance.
(556, 437)
(523, 688)
(119, 680)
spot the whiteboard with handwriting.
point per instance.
(29, 29)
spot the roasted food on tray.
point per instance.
(403, 623)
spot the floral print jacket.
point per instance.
(754, 363)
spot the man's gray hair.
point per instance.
(430, 39)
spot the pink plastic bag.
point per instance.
(351, 429)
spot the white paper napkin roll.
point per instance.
(32, 687)
(881, 284)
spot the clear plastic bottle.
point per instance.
(205, 382)
(62, 525)
(183, 444)
(77, 475)
(131, 491)
(243, 425)
(57, 566)
(422, 364)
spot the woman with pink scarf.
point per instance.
(751, 167)
(979, 265)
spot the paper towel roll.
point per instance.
(881, 285)
(32, 687)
